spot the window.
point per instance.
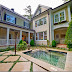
(10, 19)
(59, 17)
(26, 24)
(40, 35)
(40, 22)
(56, 18)
(45, 35)
(62, 16)
(35, 23)
(39, 11)
(44, 20)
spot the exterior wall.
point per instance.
(19, 20)
(41, 42)
(66, 12)
(42, 28)
(3, 33)
(61, 31)
(42, 10)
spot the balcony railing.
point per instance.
(10, 42)
(3, 42)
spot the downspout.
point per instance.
(49, 24)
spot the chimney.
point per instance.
(12, 9)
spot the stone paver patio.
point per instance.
(22, 66)
(22, 59)
(2, 57)
(12, 58)
(5, 66)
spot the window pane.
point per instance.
(41, 36)
(45, 35)
(56, 18)
(10, 19)
(61, 16)
(36, 24)
(44, 20)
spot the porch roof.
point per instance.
(11, 24)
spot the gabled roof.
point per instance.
(14, 12)
(39, 7)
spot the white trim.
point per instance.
(59, 15)
(41, 40)
(69, 13)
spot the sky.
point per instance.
(20, 5)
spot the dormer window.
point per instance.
(39, 11)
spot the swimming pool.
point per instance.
(55, 58)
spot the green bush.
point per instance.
(20, 42)
(68, 37)
(69, 46)
(32, 43)
(22, 45)
(53, 43)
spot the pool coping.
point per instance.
(40, 63)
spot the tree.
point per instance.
(68, 37)
(28, 10)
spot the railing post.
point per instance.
(20, 34)
(8, 36)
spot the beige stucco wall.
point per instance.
(41, 42)
(42, 28)
(42, 10)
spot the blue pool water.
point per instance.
(52, 57)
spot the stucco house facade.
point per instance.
(47, 24)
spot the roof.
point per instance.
(40, 6)
(14, 12)
(11, 24)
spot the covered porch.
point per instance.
(59, 35)
(7, 36)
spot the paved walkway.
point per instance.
(10, 62)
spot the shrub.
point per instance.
(48, 42)
(53, 43)
(68, 37)
(20, 42)
(32, 43)
(22, 45)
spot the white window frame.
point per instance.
(38, 37)
(59, 16)
(27, 23)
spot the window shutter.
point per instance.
(5, 17)
(24, 23)
(15, 20)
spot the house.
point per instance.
(51, 24)
(11, 22)
(47, 24)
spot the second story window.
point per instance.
(41, 22)
(59, 17)
(26, 24)
(10, 18)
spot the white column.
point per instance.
(20, 34)
(69, 13)
(28, 37)
(8, 36)
(43, 35)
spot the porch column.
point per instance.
(28, 37)
(20, 34)
(8, 36)
(69, 13)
